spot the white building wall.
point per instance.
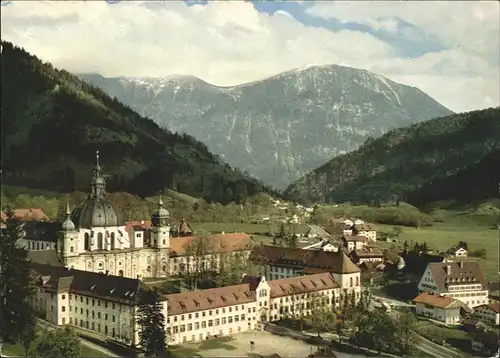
(448, 316)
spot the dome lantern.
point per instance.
(67, 224)
(96, 211)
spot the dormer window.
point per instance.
(92, 288)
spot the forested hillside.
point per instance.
(53, 122)
(448, 158)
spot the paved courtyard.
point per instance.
(238, 345)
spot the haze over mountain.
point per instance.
(450, 158)
(279, 128)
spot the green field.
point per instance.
(453, 336)
(441, 236)
(17, 350)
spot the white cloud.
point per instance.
(466, 76)
(230, 43)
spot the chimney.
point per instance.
(448, 270)
(461, 264)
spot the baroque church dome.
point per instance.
(96, 211)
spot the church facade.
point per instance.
(94, 238)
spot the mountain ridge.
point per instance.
(280, 127)
(415, 163)
(52, 123)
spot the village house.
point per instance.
(367, 230)
(108, 304)
(323, 245)
(311, 232)
(461, 280)
(354, 242)
(488, 313)
(457, 252)
(367, 254)
(438, 307)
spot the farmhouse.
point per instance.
(457, 252)
(441, 308)
(354, 242)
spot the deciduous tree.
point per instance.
(57, 343)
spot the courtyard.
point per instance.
(238, 345)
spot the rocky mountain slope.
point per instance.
(281, 127)
(53, 122)
(450, 158)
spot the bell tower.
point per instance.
(68, 238)
(160, 238)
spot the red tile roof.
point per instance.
(216, 244)
(193, 301)
(326, 261)
(31, 214)
(461, 273)
(495, 307)
(435, 300)
(302, 284)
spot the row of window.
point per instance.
(204, 324)
(463, 288)
(468, 294)
(210, 313)
(32, 245)
(92, 326)
(207, 335)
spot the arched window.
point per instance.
(350, 282)
(71, 249)
(87, 242)
(112, 241)
(99, 241)
(357, 280)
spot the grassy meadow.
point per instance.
(479, 231)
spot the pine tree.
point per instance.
(152, 335)
(16, 284)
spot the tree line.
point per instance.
(426, 162)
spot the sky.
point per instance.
(450, 50)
